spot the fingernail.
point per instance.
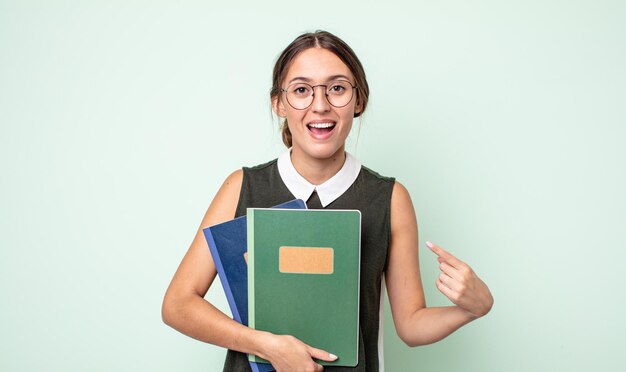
(332, 356)
(429, 244)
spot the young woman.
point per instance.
(319, 86)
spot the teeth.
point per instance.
(321, 125)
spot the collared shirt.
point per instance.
(328, 191)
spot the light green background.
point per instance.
(120, 119)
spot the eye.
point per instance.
(301, 90)
(338, 87)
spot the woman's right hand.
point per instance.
(287, 354)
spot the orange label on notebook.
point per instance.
(306, 260)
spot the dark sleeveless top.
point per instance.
(370, 193)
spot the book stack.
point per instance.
(301, 277)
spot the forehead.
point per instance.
(317, 64)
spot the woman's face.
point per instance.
(319, 131)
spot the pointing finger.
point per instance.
(442, 253)
(436, 249)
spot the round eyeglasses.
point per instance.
(338, 93)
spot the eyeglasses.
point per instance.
(338, 93)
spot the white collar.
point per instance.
(328, 191)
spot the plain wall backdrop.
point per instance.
(120, 119)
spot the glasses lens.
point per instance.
(339, 93)
(299, 95)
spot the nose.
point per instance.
(320, 101)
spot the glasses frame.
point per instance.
(354, 88)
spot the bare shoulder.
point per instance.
(401, 207)
(231, 186)
(234, 178)
(399, 193)
(224, 203)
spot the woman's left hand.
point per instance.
(460, 284)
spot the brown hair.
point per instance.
(325, 40)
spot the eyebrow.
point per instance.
(330, 78)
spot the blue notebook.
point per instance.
(228, 242)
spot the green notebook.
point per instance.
(303, 277)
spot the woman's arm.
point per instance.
(185, 309)
(415, 323)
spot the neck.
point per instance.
(315, 170)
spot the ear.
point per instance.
(278, 107)
(358, 108)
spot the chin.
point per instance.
(325, 152)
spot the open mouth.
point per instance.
(321, 129)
